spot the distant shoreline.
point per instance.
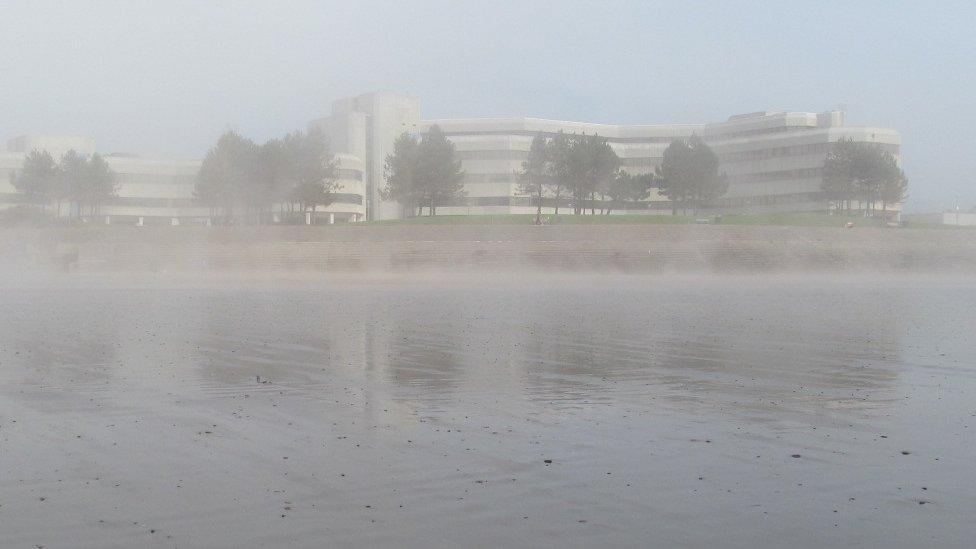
(623, 248)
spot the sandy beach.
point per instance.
(519, 411)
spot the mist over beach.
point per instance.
(486, 275)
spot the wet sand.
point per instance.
(527, 411)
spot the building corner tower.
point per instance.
(366, 126)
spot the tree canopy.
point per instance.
(536, 173)
(425, 173)
(38, 179)
(240, 177)
(584, 165)
(98, 184)
(627, 187)
(688, 174)
(863, 172)
(87, 182)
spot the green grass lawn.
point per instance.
(800, 220)
(785, 219)
(529, 219)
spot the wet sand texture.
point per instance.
(592, 412)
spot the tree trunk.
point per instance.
(538, 208)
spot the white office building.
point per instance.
(773, 160)
(155, 191)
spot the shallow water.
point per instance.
(422, 412)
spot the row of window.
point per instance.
(188, 179)
(648, 162)
(155, 202)
(757, 131)
(767, 200)
(155, 179)
(658, 205)
(774, 152)
(642, 139)
(530, 133)
(757, 177)
(794, 150)
(780, 175)
(490, 178)
(503, 154)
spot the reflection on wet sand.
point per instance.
(422, 413)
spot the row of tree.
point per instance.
(426, 172)
(239, 179)
(243, 181)
(582, 166)
(73, 179)
(585, 166)
(863, 172)
(423, 172)
(689, 176)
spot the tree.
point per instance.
(842, 172)
(72, 176)
(228, 172)
(439, 170)
(95, 185)
(38, 179)
(864, 172)
(400, 173)
(707, 183)
(674, 175)
(602, 166)
(102, 184)
(273, 170)
(588, 166)
(425, 172)
(893, 187)
(626, 187)
(536, 172)
(312, 168)
(689, 174)
(560, 167)
(296, 169)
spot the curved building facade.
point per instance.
(773, 160)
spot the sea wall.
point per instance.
(622, 248)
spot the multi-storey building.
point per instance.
(773, 161)
(160, 191)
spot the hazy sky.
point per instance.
(168, 77)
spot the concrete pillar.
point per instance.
(331, 218)
(308, 218)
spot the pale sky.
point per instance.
(166, 78)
